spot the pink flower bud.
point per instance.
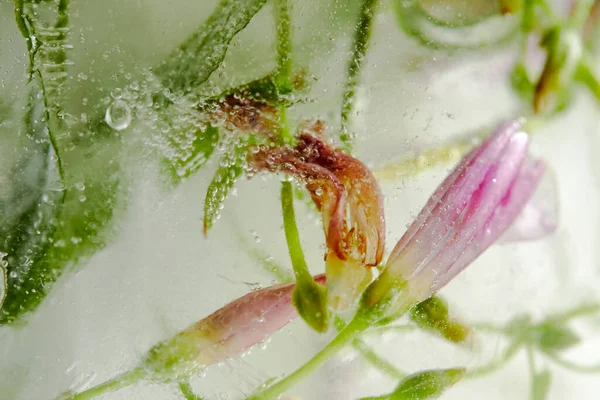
(225, 333)
(474, 205)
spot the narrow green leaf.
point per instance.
(185, 163)
(201, 54)
(229, 170)
(540, 385)
(424, 385)
(551, 337)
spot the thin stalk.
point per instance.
(576, 312)
(188, 392)
(584, 369)
(121, 381)
(581, 12)
(291, 234)
(586, 75)
(362, 34)
(346, 336)
(284, 44)
(378, 362)
(495, 365)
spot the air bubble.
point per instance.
(118, 115)
(116, 93)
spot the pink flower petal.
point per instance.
(434, 225)
(539, 217)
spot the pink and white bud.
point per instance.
(226, 333)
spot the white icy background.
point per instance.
(161, 274)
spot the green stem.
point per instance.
(188, 392)
(286, 135)
(580, 311)
(284, 44)
(581, 12)
(346, 336)
(586, 75)
(355, 63)
(291, 234)
(487, 369)
(378, 362)
(121, 381)
(585, 369)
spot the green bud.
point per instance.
(424, 385)
(432, 314)
(310, 299)
(551, 337)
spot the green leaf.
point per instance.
(310, 299)
(540, 385)
(229, 170)
(40, 249)
(29, 216)
(201, 54)
(424, 385)
(185, 163)
(430, 32)
(551, 337)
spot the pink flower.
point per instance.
(351, 204)
(225, 333)
(474, 205)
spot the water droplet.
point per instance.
(118, 115)
(79, 186)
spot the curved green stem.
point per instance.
(284, 44)
(378, 362)
(121, 381)
(586, 75)
(581, 12)
(291, 234)
(495, 365)
(585, 369)
(352, 330)
(576, 312)
(188, 392)
(362, 34)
